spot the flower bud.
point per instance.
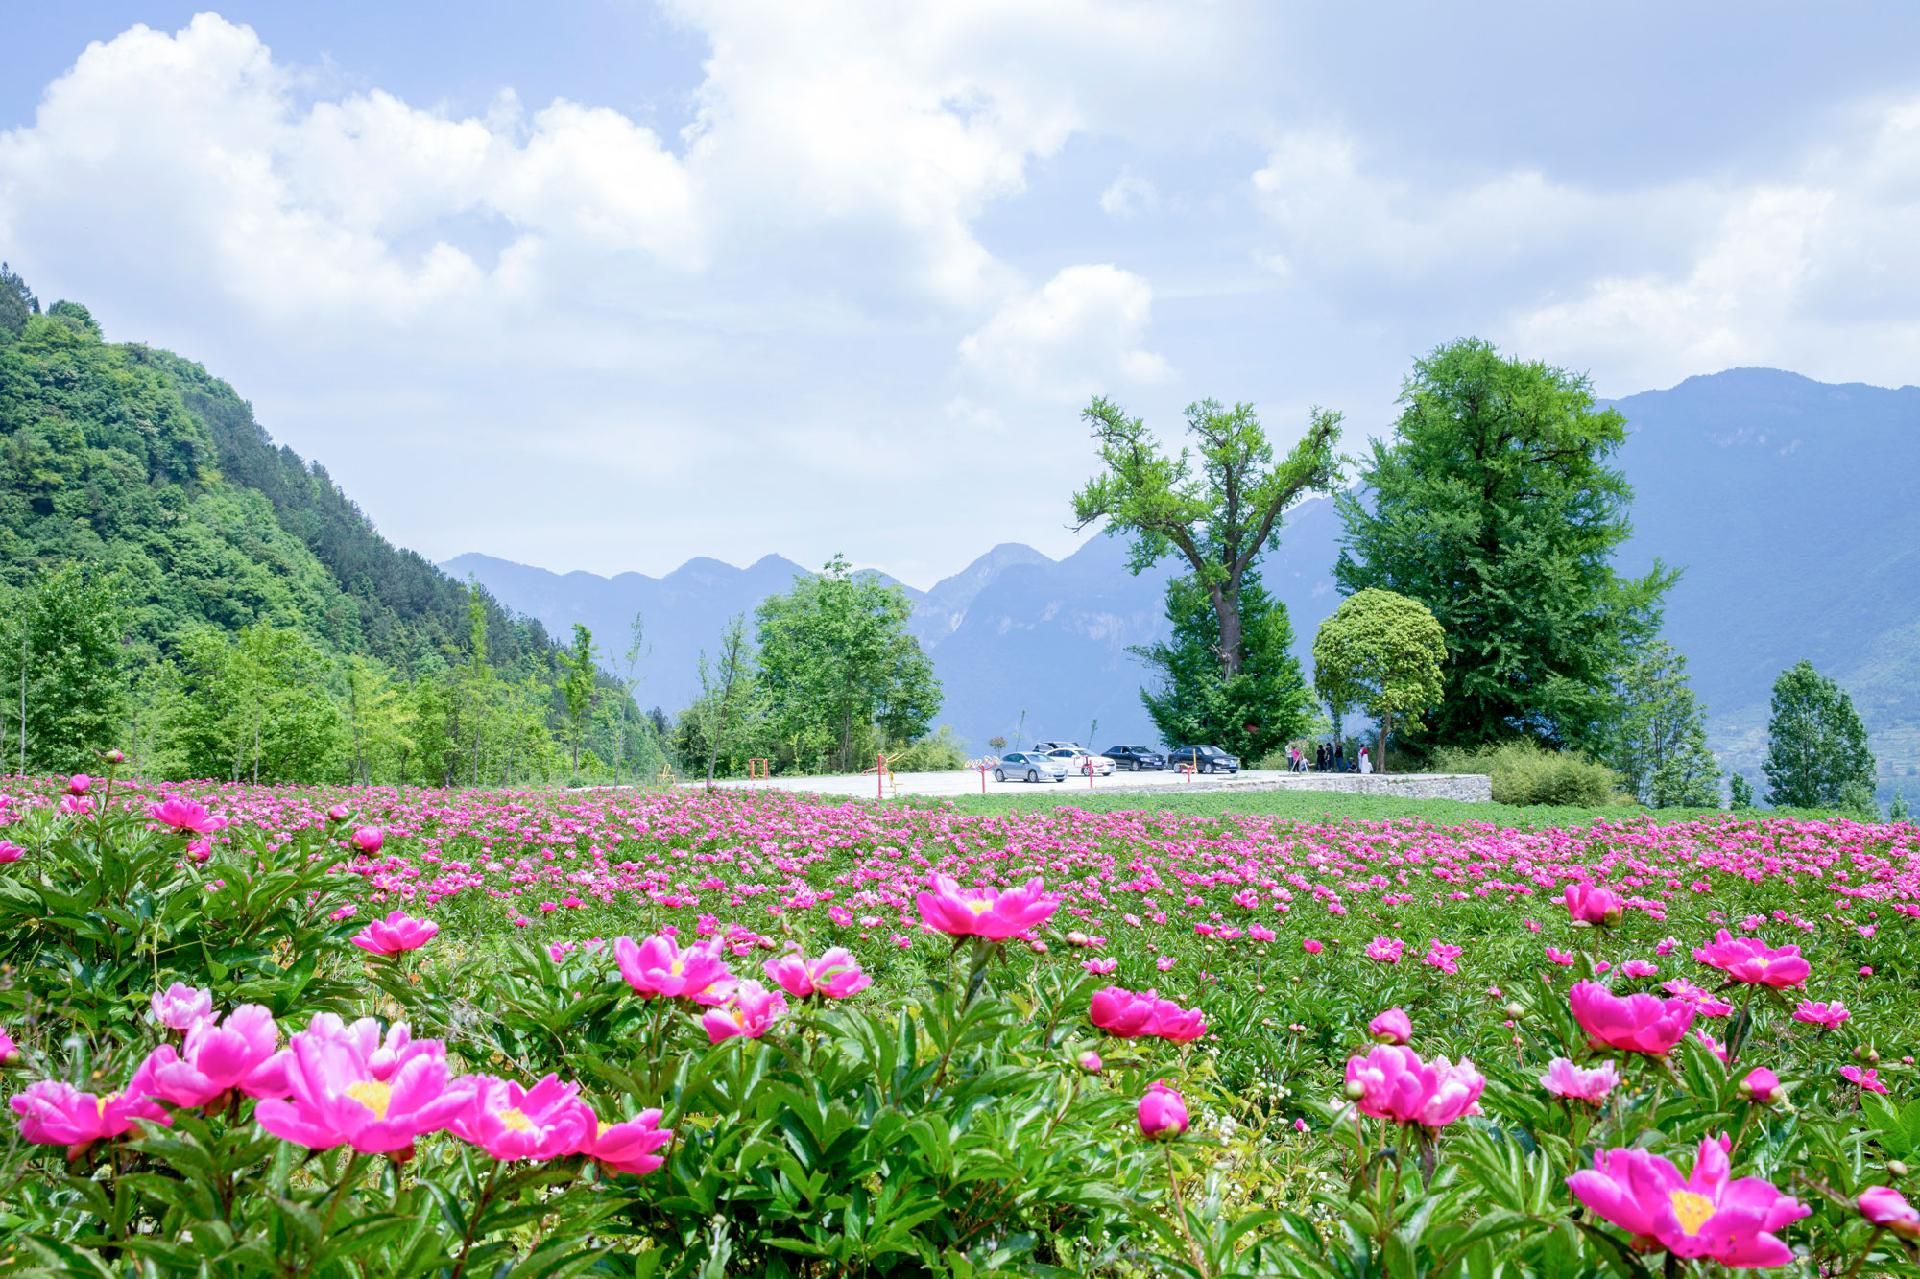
(1356, 1090)
(1516, 1009)
(1896, 1168)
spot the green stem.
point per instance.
(1861, 1260)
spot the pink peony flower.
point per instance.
(1867, 1080)
(1752, 961)
(1392, 1082)
(1564, 958)
(1442, 956)
(181, 1007)
(1636, 1024)
(1101, 967)
(10, 852)
(1761, 1086)
(1311, 946)
(185, 815)
(1127, 1015)
(751, 1013)
(239, 1051)
(509, 1122)
(1091, 1063)
(1709, 1214)
(1391, 1027)
(1593, 904)
(983, 912)
(78, 784)
(55, 1113)
(1639, 968)
(336, 1098)
(1163, 1112)
(368, 839)
(1828, 1016)
(1574, 1083)
(834, 975)
(628, 1146)
(398, 932)
(1886, 1207)
(1704, 1001)
(658, 968)
(9, 1051)
(1386, 950)
(384, 1055)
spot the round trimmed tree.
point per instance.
(1381, 652)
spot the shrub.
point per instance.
(938, 753)
(1524, 772)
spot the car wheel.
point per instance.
(1206, 766)
(1033, 774)
(999, 774)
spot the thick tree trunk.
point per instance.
(1385, 720)
(1226, 608)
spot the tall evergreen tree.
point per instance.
(1249, 713)
(1817, 754)
(1494, 505)
(1658, 739)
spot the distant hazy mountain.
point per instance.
(1792, 506)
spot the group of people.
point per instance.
(1328, 759)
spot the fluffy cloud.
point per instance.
(1646, 284)
(1073, 336)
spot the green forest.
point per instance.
(175, 584)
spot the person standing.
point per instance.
(1366, 761)
(1339, 757)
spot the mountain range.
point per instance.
(1791, 506)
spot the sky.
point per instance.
(612, 284)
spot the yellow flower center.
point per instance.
(1690, 1210)
(373, 1094)
(739, 1018)
(979, 905)
(513, 1119)
(104, 1100)
(604, 1126)
(677, 968)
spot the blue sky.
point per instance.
(610, 285)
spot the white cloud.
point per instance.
(1070, 338)
(1128, 196)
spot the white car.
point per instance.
(1078, 760)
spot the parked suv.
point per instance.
(1203, 759)
(1029, 766)
(1135, 758)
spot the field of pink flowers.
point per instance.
(293, 1030)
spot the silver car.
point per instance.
(1029, 766)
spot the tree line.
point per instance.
(1482, 600)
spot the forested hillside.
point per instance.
(180, 586)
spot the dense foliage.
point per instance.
(1817, 754)
(1538, 1027)
(829, 680)
(1657, 738)
(1526, 773)
(1250, 713)
(172, 580)
(1384, 654)
(1494, 504)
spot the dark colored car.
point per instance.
(1203, 759)
(1135, 758)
